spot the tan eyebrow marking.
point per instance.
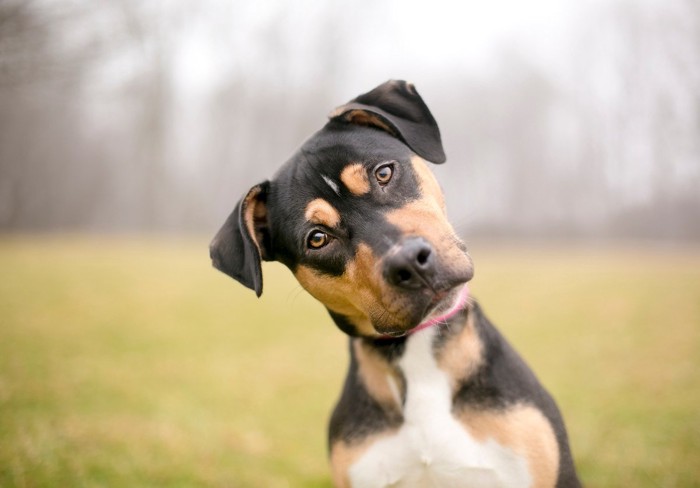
(354, 177)
(319, 211)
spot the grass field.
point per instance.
(131, 362)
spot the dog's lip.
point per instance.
(439, 299)
(457, 304)
(457, 298)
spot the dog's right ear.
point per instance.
(397, 108)
(244, 240)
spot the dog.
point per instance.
(434, 394)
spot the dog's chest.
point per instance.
(432, 448)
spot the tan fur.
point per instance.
(336, 112)
(428, 183)
(425, 217)
(361, 294)
(461, 355)
(344, 455)
(354, 177)
(377, 374)
(254, 211)
(361, 117)
(351, 294)
(319, 211)
(525, 430)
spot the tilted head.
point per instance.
(358, 217)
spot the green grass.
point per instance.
(130, 362)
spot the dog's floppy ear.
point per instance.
(244, 240)
(396, 107)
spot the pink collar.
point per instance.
(459, 304)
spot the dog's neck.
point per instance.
(386, 368)
(391, 349)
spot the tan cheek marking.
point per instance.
(526, 431)
(360, 294)
(462, 355)
(344, 455)
(430, 188)
(376, 374)
(355, 294)
(364, 273)
(354, 177)
(336, 294)
(319, 211)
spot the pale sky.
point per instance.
(388, 39)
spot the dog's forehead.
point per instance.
(333, 148)
(335, 160)
(328, 181)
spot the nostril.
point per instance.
(423, 255)
(403, 275)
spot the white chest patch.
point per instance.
(432, 449)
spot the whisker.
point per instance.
(293, 294)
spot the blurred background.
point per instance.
(559, 118)
(130, 128)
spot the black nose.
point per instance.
(412, 265)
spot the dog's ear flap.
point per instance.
(244, 240)
(397, 108)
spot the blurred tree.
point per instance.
(107, 122)
(36, 107)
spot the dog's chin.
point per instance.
(397, 327)
(440, 304)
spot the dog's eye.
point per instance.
(317, 239)
(384, 173)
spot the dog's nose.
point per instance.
(412, 265)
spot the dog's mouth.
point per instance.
(444, 305)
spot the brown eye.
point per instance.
(317, 239)
(384, 173)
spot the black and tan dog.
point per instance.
(434, 395)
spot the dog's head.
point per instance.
(358, 217)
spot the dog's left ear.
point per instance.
(397, 108)
(244, 240)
